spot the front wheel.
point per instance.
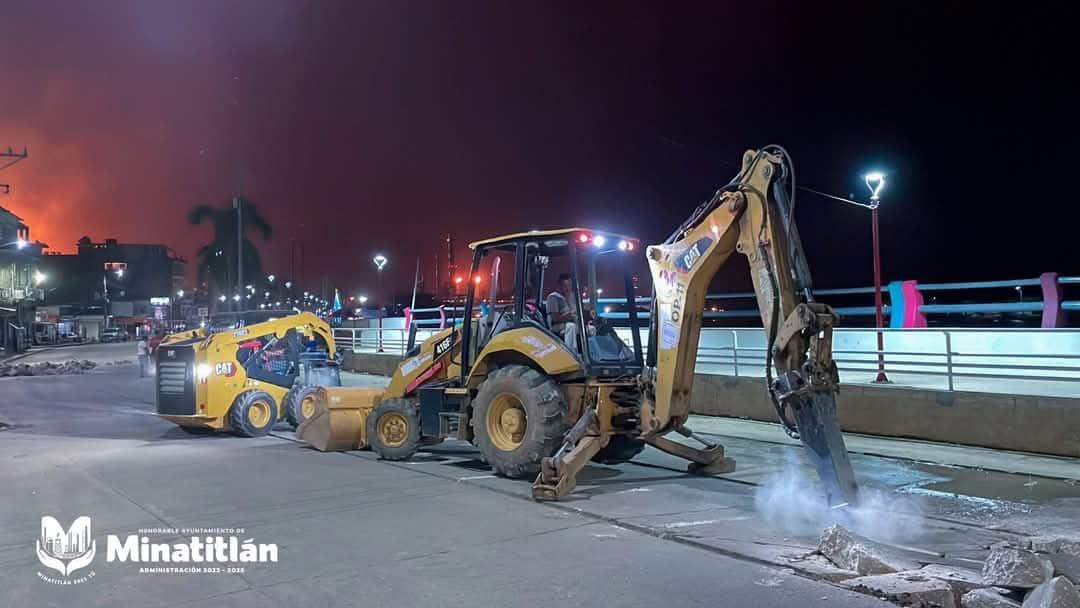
(393, 429)
(253, 414)
(519, 418)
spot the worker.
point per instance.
(562, 311)
(142, 350)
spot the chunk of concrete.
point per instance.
(1064, 553)
(906, 589)
(986, 598)
(853, 552)
(962, 580)
(1012, 567)
(1057, 592)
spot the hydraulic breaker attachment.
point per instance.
(338, 422)
(819, 430)
(558, 474)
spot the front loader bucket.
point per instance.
(819, 429)
(338, 422)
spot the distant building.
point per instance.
(20, 282)
(132, 286)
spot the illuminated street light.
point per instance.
(39, 277)
(270, 278)
(221, 298)
(20, 243)
(363, 300)
(476, 279)
(288, 284)
(119, 273)
(380, 261)
(180, 293)
(875, 181)
(236, 298)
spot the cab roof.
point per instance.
(555, 232)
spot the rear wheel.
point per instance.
(393, 429)
(253, 414)
(620, 448)
(300, 404)
(519, 418)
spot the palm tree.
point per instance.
(217, 259)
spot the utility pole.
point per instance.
(238, 204)
(11, 157)
(415, 283)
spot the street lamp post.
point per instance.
(875, 182)
(380, 261)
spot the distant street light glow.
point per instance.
(380, 261)
(180, 293)
(599, 240)
(39, 277)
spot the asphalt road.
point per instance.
(351, 531)
(440, 530)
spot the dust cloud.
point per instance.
(794, 501)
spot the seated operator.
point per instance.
(562, 311)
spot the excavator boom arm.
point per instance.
(752, 215)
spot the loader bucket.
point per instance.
(338, 422)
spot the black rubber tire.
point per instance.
(546, 419)
(196, 430)
(410, 411)
(294, 401)
(620, 448)
(238, 414)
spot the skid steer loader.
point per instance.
(245, 378)
(541, 392)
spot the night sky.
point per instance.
(377, 126)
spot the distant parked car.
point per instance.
(112, 334)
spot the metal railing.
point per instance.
(1010, 361)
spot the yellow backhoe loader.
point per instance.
(245, 378)
(543, 385)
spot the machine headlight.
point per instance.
(203, 371)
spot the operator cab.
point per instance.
(513, 276)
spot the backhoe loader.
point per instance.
(541, 403)
(247, 378)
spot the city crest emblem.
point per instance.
(66, 550)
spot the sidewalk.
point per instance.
(904, 449)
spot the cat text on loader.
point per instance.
(244, 379)
(543, 386)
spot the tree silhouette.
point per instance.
(217, 259)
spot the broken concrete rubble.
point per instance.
(1054, 593)
(1012, 567)
(852, 552)
(987, 598)
(1063, 553)
(47, 368)
(906, 589)
(962, 580)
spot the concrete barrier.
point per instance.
(1042, 425)
(370, 363)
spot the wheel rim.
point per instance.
(393, 429)
(258, 414)
(307, 407)
(506, 422)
